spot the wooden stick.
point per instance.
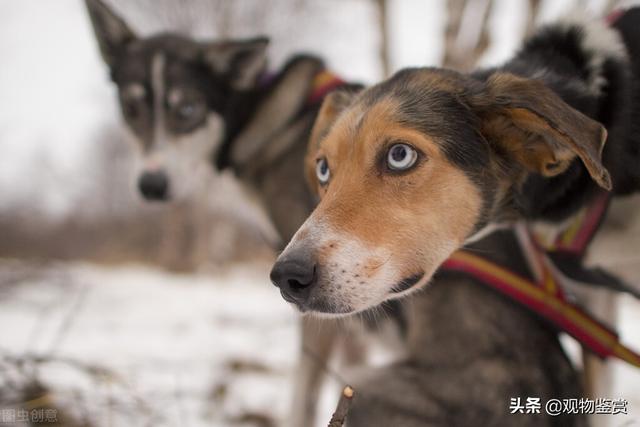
(340, 415)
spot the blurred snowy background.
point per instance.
(125, 341)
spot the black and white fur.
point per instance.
(196, 108)
(597, 69)
(252, 132)
(582, 74)
(180, 99)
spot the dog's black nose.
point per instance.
(295, 277)
(154, 185)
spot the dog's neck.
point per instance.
(480, 312)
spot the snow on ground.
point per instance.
(627, 378)
(136, 346)
(175, 349)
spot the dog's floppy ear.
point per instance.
(241, 61)
(334, 104)
(534, 126)
(111, 31)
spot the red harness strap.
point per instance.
(543, 295)
(577, 236)
(323, 83)
(612, 17)
(551, 305)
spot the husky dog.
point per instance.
(194, 108)
(179, 98)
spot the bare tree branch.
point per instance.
(342, 410)
(532, 17)
(384, 37)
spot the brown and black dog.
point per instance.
(470, 351)
(429, 160)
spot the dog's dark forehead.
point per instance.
(180, 57)
(434, 102)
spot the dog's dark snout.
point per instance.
(154, 185)
(295, 277)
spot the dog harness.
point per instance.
(551, 266)
(323, 83)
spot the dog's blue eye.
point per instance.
(401, 157)
(322, 171)
(186, 110)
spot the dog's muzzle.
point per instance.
(296, 276)
(154, 185)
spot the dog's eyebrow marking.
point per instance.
(158, 88)
(383, 107)
(134, 91)
(354, 125)
(359, 121)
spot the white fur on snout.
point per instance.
(352, 275)
(186, 159)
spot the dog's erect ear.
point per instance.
(334, 104)
(241, 61)
(276, 126)
(112, 32)
(534, 126)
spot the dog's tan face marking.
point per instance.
(376, 205)
(375, 228)
(380, 231)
